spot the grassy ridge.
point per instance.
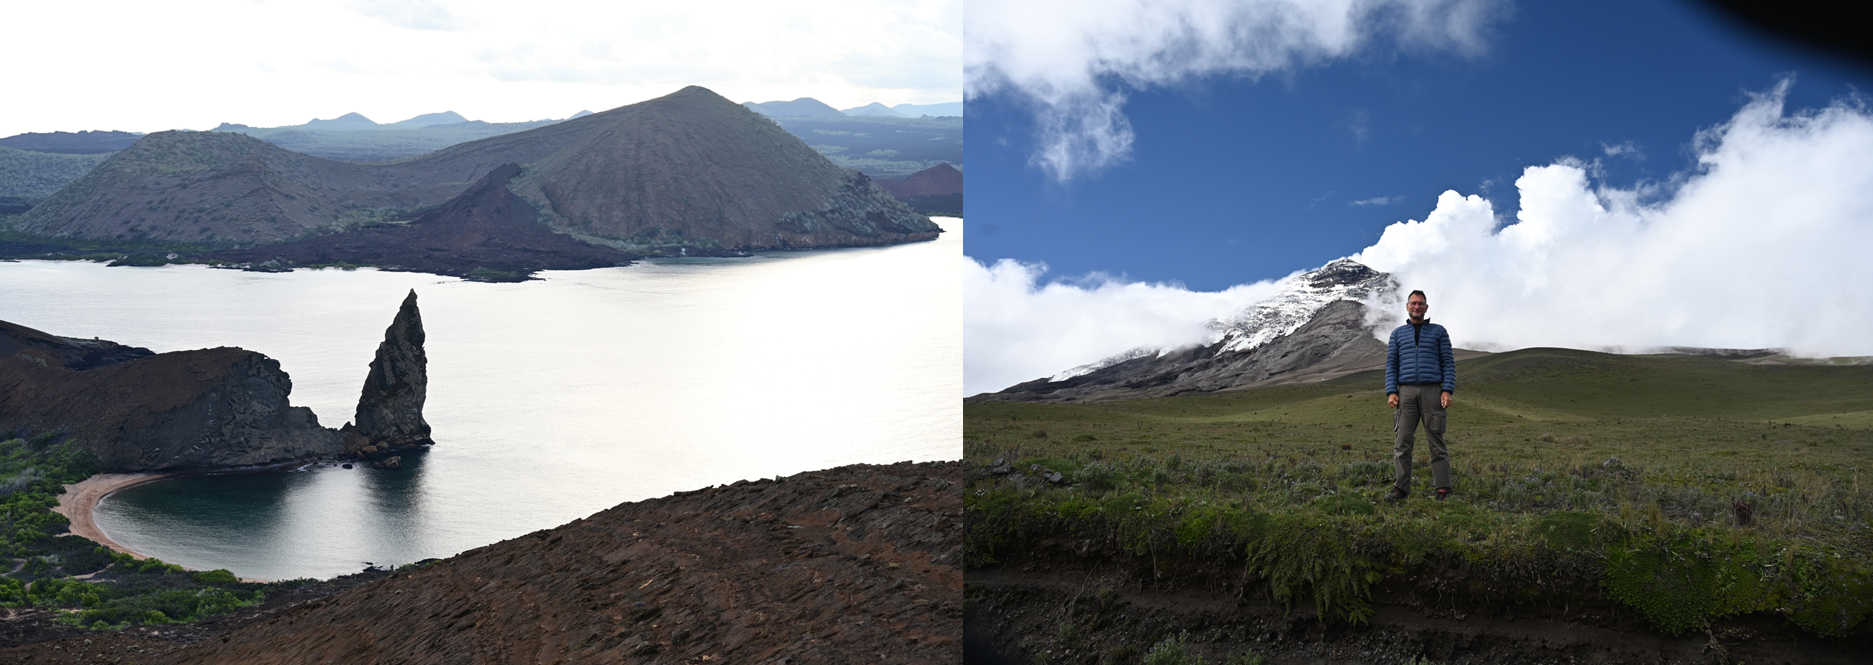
(1687, 488)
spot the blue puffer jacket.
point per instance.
(1420, 357)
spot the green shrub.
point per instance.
(1171, 651)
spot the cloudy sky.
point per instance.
(1592, 174)
(192, 64)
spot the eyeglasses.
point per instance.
(1417, 303)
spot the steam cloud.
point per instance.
(1067, 60)
(1767, 243)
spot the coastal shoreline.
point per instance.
(80, 501)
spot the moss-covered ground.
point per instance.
(1687, 488)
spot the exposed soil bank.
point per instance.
(1089, 611)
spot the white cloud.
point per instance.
(267, 64)
(1627, 148)
(1017, 329)
(1767, 244)
(1071, 62)
(1378, 201)
(413, 14)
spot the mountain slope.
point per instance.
(71, 143)
(1315, 328)
(804, 106)
(694, 167)
(687, 169)
(31, 176)
(937, 190)
(215, 187)
(485, 233)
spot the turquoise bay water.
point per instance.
(550, 400)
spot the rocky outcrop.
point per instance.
(1335, 342)
(390, 411)
(139, 411)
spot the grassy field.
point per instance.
(1688, 488)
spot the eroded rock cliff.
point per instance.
(390, 410)
(139, 411)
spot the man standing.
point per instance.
(1420, 375)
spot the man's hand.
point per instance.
(1391, 400)
(1444, 401)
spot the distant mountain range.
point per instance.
(353, 122)
(688, 170)
(355, 138)
(71, 143)
(810, 107)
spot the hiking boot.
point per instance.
(1396, 495)
(1443, 493)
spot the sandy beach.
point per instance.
(81, 499)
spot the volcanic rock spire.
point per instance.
(390, 412)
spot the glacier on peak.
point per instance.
(1300, 298)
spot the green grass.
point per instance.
(42, 566)
(1283, 481)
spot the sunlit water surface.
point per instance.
(550, 400)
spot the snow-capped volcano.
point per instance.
(1301, 297)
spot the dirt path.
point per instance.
(80, 501)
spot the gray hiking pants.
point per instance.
(1419, 403)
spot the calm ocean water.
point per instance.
(550, 400)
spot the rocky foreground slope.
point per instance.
(858, 564)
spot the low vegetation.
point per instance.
(35, 175)
(1688, 489)
(84, 583)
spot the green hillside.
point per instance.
(32, 175)
(1572, 470)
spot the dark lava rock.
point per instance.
(393, 463)
(141, 411)
(390, 412)
(485, 234)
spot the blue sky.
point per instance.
(1240, 174)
